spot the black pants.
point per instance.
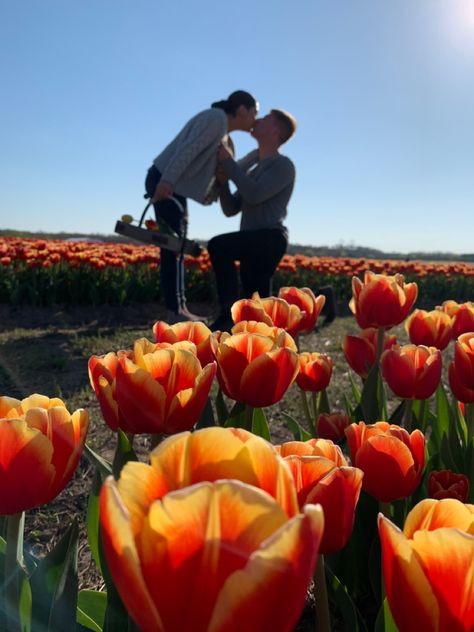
(259, 252)
(174, 211)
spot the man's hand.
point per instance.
(163, 190)
(223, 154)
(221, 175)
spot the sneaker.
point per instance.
(222, 323)
(184, 311)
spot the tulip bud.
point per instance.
(127, 219)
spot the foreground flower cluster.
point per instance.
(221, 529)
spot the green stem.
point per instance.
(306, 410)
(423, 409)
(469, 418)
(321, 605)
(406, 421)
(315, 400)
(248, 417)
(385, 509)
(13, 560)
(380, 343)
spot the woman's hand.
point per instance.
(163, 190)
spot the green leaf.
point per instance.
(339, 596)
(91, 606)
(54, 585)
(206, 420)
(92, 518)
(384, 621)
(440, 422)
(369, 401)
(236, 417)
(299, 433)
(260, 424)
(221, 408)
(123, 453)
(97, 461)
(356, 393)
(397, 416)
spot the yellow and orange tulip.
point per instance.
(428, 568)
(156, 388)
(360, 351)
(213, 453)
(329, 482)
(412, 372)
(277, 334)
(432, 329)
(196, 332)
(227, 546)
(463, 320)
(305, 299)
(392, 459)
(254, 369)
(272, 311)
(315, 371)
(40, 447)
(381, 300)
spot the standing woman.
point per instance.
(186, 168)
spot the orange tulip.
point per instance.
(195, 332)
(254, 369)
(463, 320)
(392, 460)
(334, 485)
(273, 311)
(40, 447)
(313, 447)
(156, 388)
(305, 299)
(432, 329)
(315, 371)
(449, 307)
(448, 484)
(428, 569)
(213, 453)
(360, 351)
(227, 546)
(332, 425)
(277, 334)
(412, 372)
(381, 301)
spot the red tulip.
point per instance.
(195, 332)
(381, 301)
(432, 329)
(448, 484)
(227, 546)
(461, 393)
(392, 460)
(156, 388)
(463, 320)
(449, 307)
(40, 447)
(315, 371)
(305, 299)
(330, 483)
(332, 425)
(428, 569)
(412, 372)
(464, 359)
(254, 369)
(360, 351)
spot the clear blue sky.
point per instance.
(383, 91)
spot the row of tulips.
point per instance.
(221, 530)
(57, 271)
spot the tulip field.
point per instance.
(283, 476)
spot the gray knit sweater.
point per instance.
(263, 191)
(189, 162)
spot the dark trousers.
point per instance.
(259, 252)
(175, 213)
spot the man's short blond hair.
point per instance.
(286, 123)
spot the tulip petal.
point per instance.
(411, 599)
(123, 561)
(267, 378)
(259, 593)
(430, 514)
